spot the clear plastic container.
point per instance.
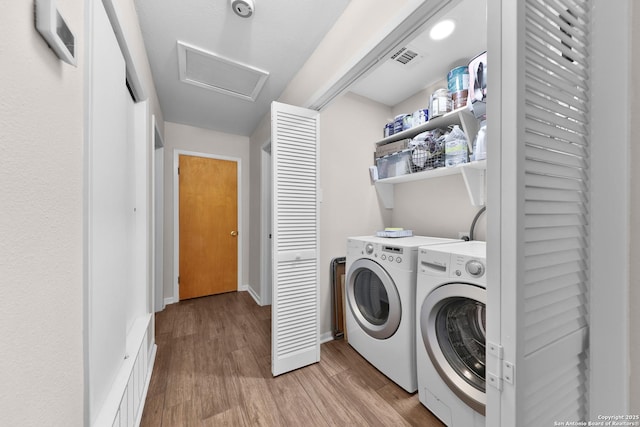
(456, 149)
(440, 103)
(394, 164)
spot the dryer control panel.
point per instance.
(384, 254)
(392, 254)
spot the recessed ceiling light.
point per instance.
(442, 29)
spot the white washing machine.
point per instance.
(380, 291)
(451, 302)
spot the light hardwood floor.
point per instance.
(213, 369)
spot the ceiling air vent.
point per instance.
(211, 71)
(404, 56)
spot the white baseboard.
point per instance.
(242, 288)
(326, 337)
(253, 294)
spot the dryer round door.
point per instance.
(453, 329)
(373, 298)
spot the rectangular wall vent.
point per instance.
(404, 56)
(212, 71)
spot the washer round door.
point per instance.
(373, 298)
(453, 329)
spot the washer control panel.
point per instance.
(437, 263)
(463, 266)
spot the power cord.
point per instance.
(475, 220)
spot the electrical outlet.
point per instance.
(463, 235)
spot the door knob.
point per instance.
(234, 233)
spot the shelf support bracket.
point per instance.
(474, 180)
(385, 193)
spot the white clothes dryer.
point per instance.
(451, 302)
(380, 291)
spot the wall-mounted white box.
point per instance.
(55, 31)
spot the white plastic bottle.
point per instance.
(480, 150)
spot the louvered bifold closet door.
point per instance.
(556, 181)
(295, 306)
(552, 212)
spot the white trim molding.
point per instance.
(610, 355)
(125, 402)
(253, 294)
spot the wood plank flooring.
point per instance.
(212, 368)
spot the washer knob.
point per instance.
(475, 268)
(369, 248)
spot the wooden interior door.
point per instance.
(208, 210)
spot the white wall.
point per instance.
(189, 138)
(634, 286)
(362, 25)
(338, 51)
(261, 135)
(41, 146)
(349, 128)
(418, 100)
(436, 207)
(350, 206)
(41, 140)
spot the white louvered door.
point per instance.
(295, 340)
(538, 182)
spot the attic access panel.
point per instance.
(215, 72)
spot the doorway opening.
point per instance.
(265, 226)
(207, 237)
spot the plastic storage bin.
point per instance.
(394, 164)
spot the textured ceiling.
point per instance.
(278, 38)
(391, 82)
